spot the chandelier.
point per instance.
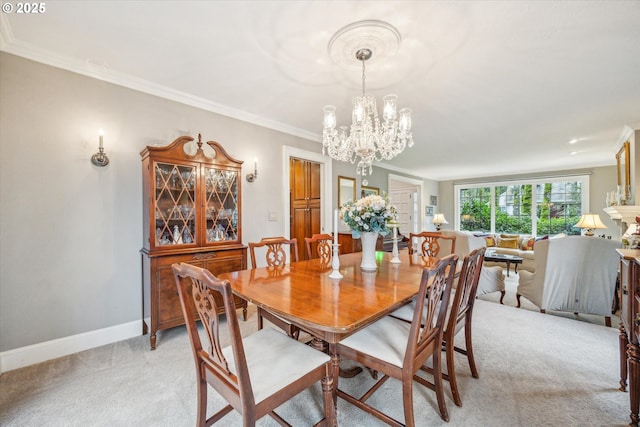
(369, 139)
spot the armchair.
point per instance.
(576, 274)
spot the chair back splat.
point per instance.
(276, 258)
(323, 247)
(398, 349)
(430, 242)
(252, 374)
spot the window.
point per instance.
(513, 209)
(536, 206)
(475, 213)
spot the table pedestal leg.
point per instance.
(321, 345)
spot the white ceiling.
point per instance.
(496, 87)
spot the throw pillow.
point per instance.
(509, 236)
(491, 241)
(508, 243)
(527, 244)
(545, 237)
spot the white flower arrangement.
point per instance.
(369, 214)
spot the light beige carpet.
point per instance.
(535, 370)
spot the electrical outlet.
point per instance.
(273, 216)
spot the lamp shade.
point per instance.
(590, 222)
(439, 219)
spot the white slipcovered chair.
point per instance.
(491, 278)
(575, 274)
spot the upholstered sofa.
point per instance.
(575, 274)
(517, 245)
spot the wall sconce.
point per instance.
(438, 220)
(100, 159)
(253, 176)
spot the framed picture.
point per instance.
(368, 191)
(433, 200)
(428, 210)
(624, 170)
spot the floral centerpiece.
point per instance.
(369, 214)
(368, 217)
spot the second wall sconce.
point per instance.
(100, 159)
(253, 176)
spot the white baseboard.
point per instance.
(36, 353)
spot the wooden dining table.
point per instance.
(332, 309)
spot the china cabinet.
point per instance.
(630, 328)
(192, 214)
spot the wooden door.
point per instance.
(403, 200)
(304, 201)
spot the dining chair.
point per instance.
(323, 247)
(254, 374)
(459, 315)
(276, 258)
(429, 242)
(398, 349)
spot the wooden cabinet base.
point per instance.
(629, 337)
(160, 301)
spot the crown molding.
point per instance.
(9, 44)
(401, 170)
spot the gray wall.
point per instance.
(601, 180)
(70, 233)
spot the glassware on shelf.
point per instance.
(177, 236)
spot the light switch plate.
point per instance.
(273, 216)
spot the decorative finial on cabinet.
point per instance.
(199, 142)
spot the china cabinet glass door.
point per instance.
(221, 204)
(175, 216)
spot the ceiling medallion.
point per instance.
(369, 139)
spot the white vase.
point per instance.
(369, 240)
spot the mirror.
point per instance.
(624, 171)
(346, 190)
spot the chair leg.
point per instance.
(293, 332)
(437, 381)
(518, 299)
(607, 321)
(260, 320)
(202, 403)
(469, 346)
(407, 401)
(451, 371)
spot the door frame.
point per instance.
(326, 185)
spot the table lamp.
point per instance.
(590, 222)
(438, 220)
